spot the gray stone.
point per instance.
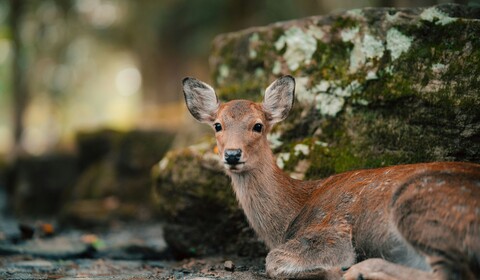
(229, 266)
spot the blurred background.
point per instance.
(68, 66)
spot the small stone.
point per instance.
(229, 266)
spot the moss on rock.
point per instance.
(383, 86)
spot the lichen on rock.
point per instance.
(397, 43)
(300, 47)
(435, 15)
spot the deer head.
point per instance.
(241, 126)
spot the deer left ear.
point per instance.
(279, 99)
(202, 102)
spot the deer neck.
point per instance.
(269, 198)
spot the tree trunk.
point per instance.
(19, 75)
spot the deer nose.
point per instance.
(232, 156)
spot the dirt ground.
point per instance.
(45, 249)
(25, 267)
(126, 252)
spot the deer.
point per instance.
(411, 221)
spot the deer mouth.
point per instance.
(236, 167)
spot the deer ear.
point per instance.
(279, 98)
(202, 102)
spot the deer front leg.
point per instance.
(383, 270)
(315, 255)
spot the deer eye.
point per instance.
(258, 127)
(218, 127)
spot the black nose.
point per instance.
(233, 156)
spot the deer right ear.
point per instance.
(279, 98)
(202, 102)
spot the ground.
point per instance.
(36, 249)
(25, 267)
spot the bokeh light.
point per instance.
(128, 81)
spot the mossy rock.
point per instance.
(374, 87)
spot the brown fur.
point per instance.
(418, 221)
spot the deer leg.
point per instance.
(317, 255)
(384, 270)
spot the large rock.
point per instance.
(375, 87)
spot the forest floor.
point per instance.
(45, 250)
(26, 267)
(127, 252)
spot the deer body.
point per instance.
(402, 222)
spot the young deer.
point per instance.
(417, 221)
